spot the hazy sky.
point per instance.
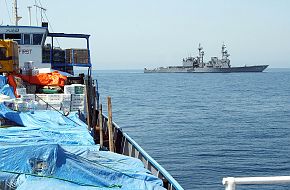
(133, 34)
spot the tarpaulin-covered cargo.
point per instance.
(48, 150)
(52, 151)
(46, 79)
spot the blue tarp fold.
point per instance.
(52, 151)
(44, 127)
(51, 165)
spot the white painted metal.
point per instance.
(28, 52)
(231, 182)
(29, 11)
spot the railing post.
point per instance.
(88, 102)
(101, 126)
(111, 145)
(229, 183)
(94, 111)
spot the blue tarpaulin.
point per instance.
(3, 81)
(51, 151)
(5, 88)
(53, 167)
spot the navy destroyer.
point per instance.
(215, 65)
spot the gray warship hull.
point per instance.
(188, 69)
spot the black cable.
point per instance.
(8, 11)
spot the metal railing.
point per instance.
(231, 182)
(127, 146)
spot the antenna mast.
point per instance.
(41, 9)
(16, 17)
(29, 9)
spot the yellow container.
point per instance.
(9, 56)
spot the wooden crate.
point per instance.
(79, 56)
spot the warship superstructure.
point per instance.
(215, 65)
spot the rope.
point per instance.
(8, 11)
(51, 28)
(62, 179)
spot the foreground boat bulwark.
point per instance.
(125, 145)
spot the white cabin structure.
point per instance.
(30, 40)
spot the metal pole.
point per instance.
(16, 17)
(229, 183)
(41, 9)
(29, 9)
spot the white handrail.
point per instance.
(231, 182)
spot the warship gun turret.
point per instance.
(215, 65)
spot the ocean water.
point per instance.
(203, 127)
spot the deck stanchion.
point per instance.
(94, 111)
(88, 103)
(101, 126)
(111, 146)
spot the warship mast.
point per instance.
(200, 55)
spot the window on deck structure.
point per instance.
(15, 37)
(37, 38)
(26, 39)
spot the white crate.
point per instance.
(78, 97)
(65, 105)
(68, 89)
(79, 88)
(54, 106)
(35, 72)
(40, 97)
(21, 91)
(54, 98)
(74, 89)
(66, 97)
(77, 103)
(28, 97)
(77, 108)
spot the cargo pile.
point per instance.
(72, 55)
(58, 55)
(79, 56)
(72, 100)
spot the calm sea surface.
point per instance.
(203, 127)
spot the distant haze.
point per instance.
(130, 34)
